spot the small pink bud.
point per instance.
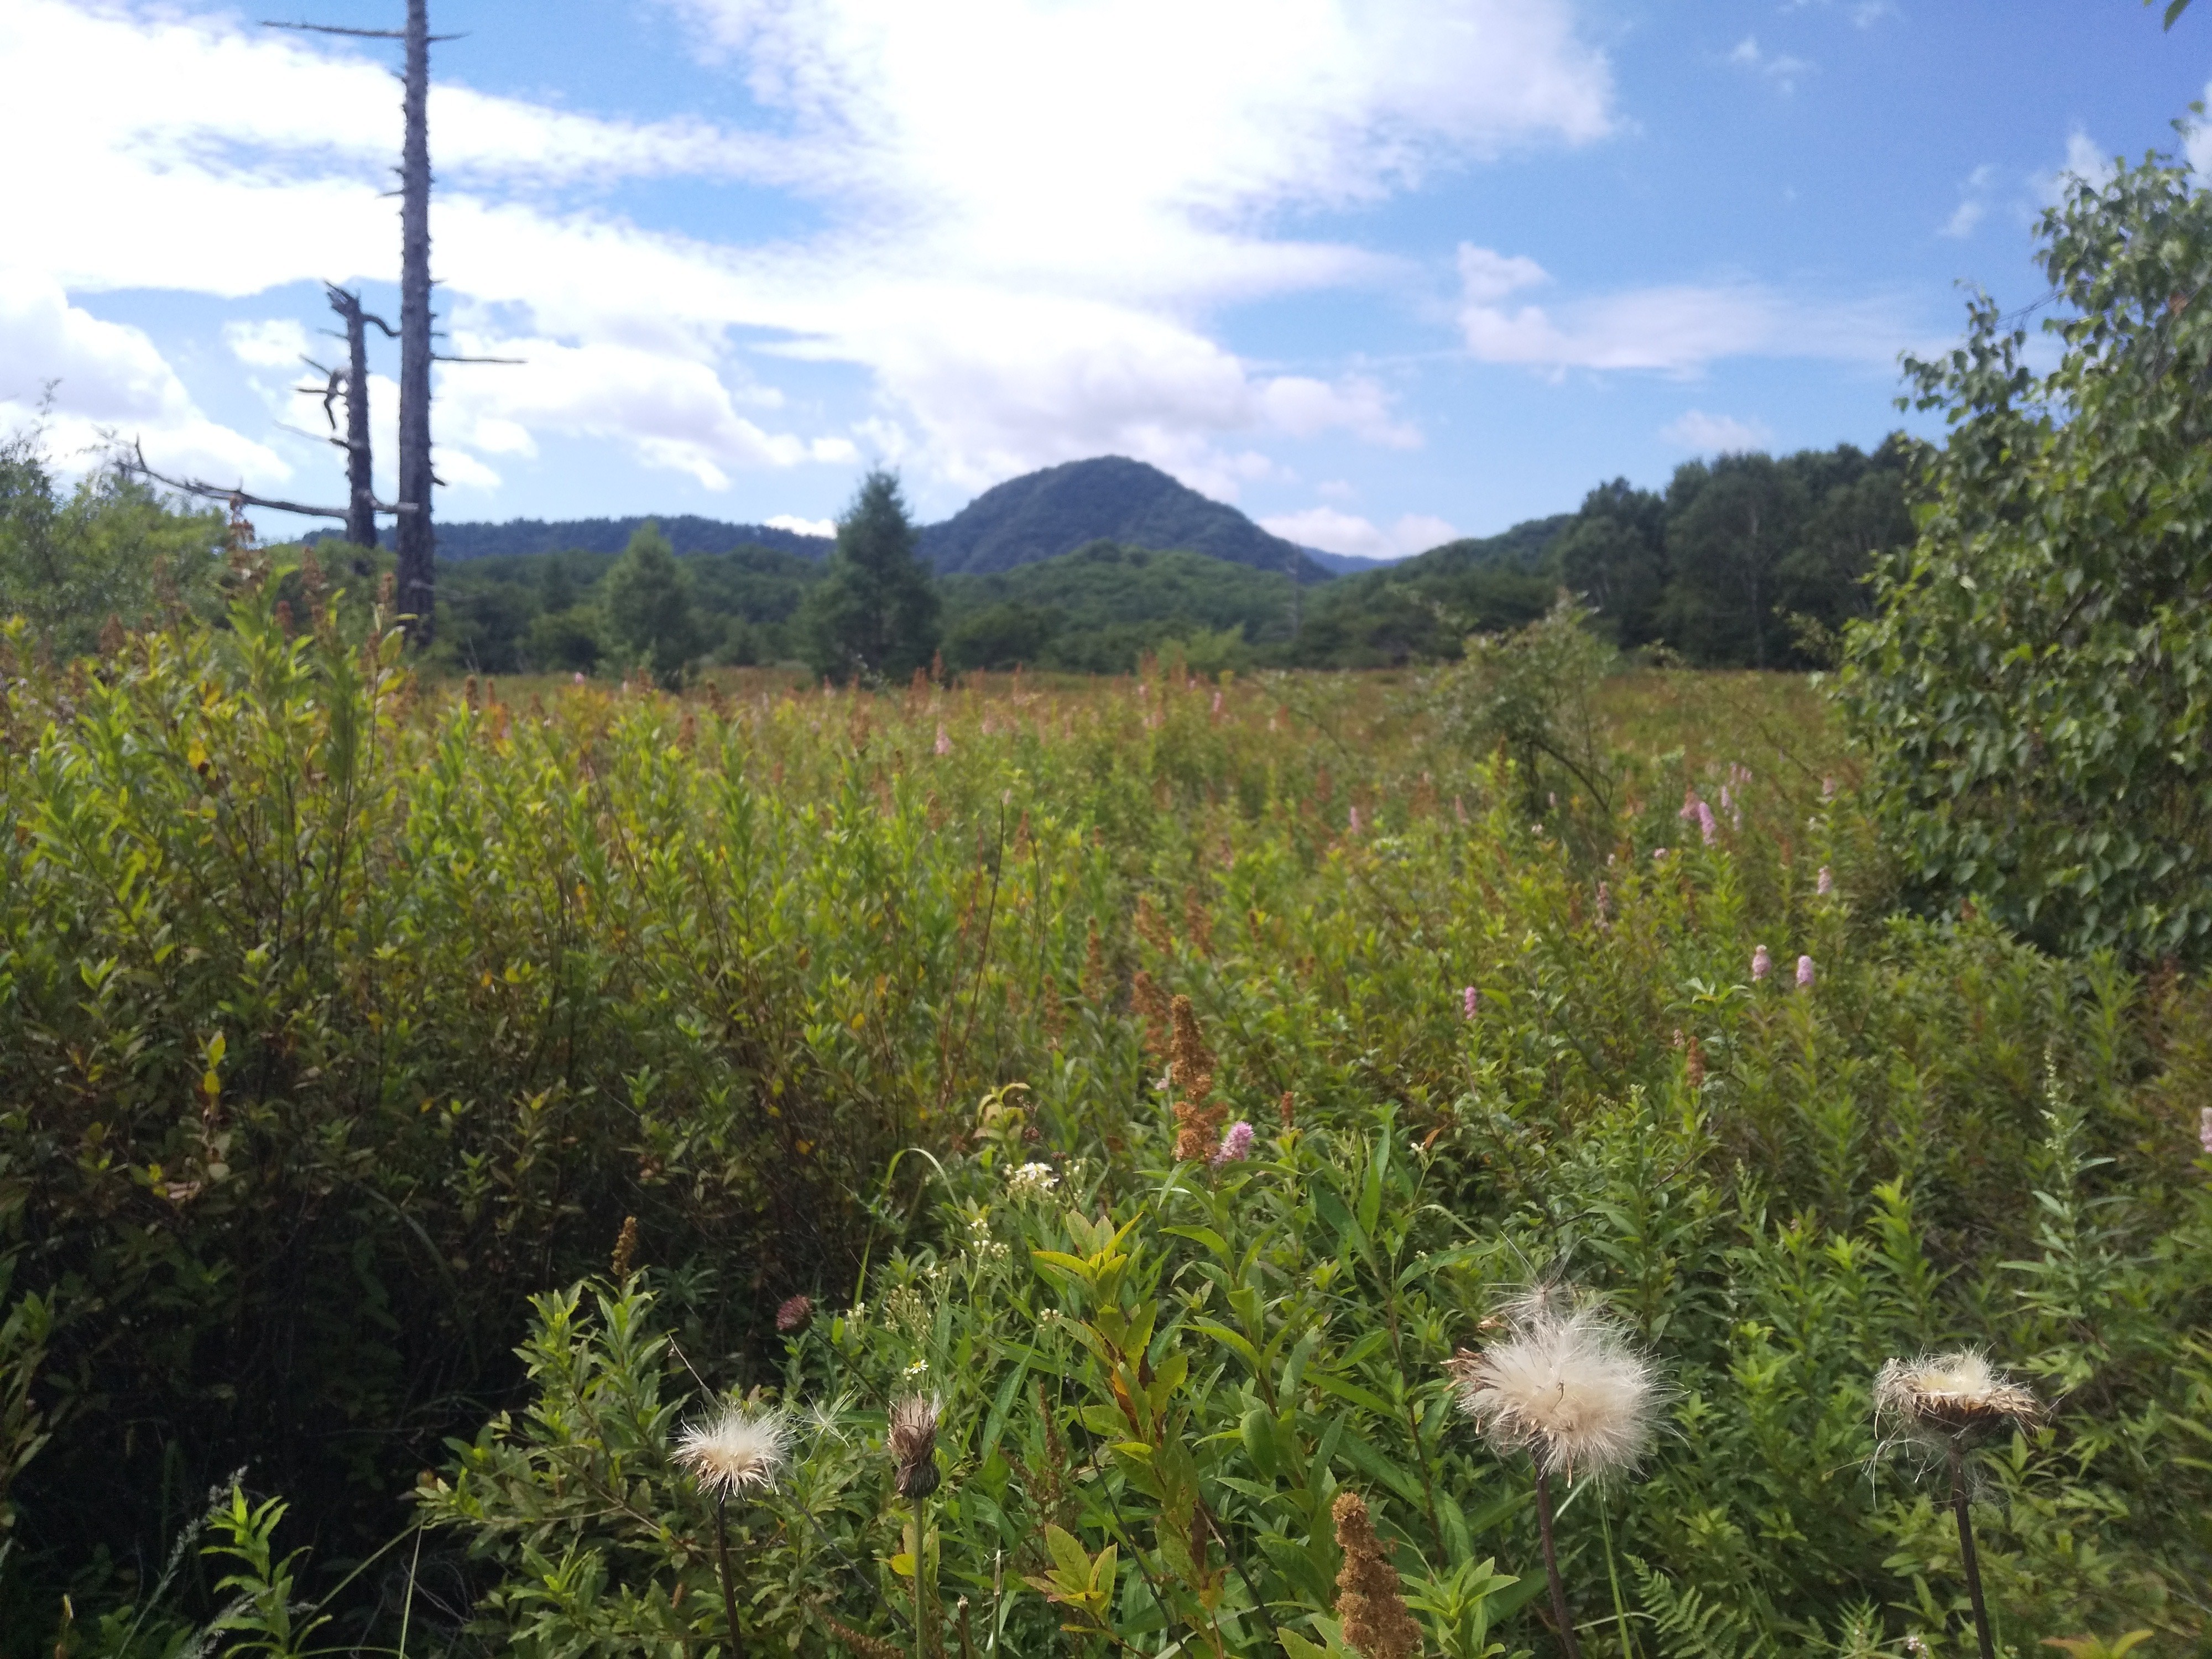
(943, 742)
(1761, 964)
(1804, 972)
(579, 676)
(1468, 1002)
(1355, 821)
(1658, 855)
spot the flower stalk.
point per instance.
(1559, 1614)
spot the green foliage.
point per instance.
(353, 1019)
(110, 549)
(874, 616)
(645, 600)
(2035, 691)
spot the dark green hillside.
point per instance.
(1045, 515)
(1423, 607)
(1098, 609)
(686, 533)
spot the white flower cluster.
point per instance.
(980, 1244)
(1031, 1180)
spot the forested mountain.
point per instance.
(685, 534)
(1041, 516)
(1750, 561)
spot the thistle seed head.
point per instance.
(735, 1452)
(913, 1443)
(1944, 1396)
(794, 1314)
(1564, 1385)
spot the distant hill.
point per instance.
(685, 534)
(1041, 516)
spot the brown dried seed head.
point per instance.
(1368, 1602)
(625, 1249)
(913, 1443)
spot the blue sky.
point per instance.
(1377, 271)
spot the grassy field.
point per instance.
(374, 1031)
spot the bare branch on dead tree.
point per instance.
(238, 497)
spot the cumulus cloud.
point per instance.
(1676, 329)
(1333, 531)
(109, 378)
(1023, 271)
(1715, 435)
(799, 526)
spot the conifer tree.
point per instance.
(874, 616)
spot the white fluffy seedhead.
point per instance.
(1567, 1386)
(738, 1451)
(1946, 1396)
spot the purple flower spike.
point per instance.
(1705, 824)
(1804, 972)
(1761, 964)
(1827, 882)
(1235, 1144)
(1466, 1002)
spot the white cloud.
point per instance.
(109, 378)
(1673, 330)
(1021, 264)
(1334, 489)
(2084, 161)
(277, 342)
(1333, 531)
(1715, 435)
(1781, 69)
(799, 526)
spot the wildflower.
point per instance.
(1826, 883)
(916, 1371)
(1190, 1067)
(579, 680)
(943, 742)
(1568, 1388)
(1354, 828)
(1945, 1395)
(1658, 855)
(1216, 710)
(1031, 1180)
(1690, 806)
(1604, 903)
(738, 1451)
(1468, 1002)
(913, 1443)
(1707, 829)
(1375, 1623)
(1236, 1145)
(794, 1314)
(1827, 789)
(625, 1250)
(1761, 964)
(1804, 972)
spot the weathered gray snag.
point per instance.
(360, 493)
(416, 538)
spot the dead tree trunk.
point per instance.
(360, 492)
(416, 536)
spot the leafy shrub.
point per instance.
(2036, 689)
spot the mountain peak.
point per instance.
(1041, 516)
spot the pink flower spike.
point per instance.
(579, 680)
(943, 742)
(1468, 1002)
(1706, 825)
(1690, 806)
(1235, 1144)
(1804, 972)
(1604, 903)
(1355, 821)
(1761, 964)
(1827, 883)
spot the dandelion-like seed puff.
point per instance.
(736, 1452)
(1940, 1397)
(1566, 1387)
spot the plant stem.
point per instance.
(1967, 1555)
(1551, 1566)
(729, 1595)
(920, 1559)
